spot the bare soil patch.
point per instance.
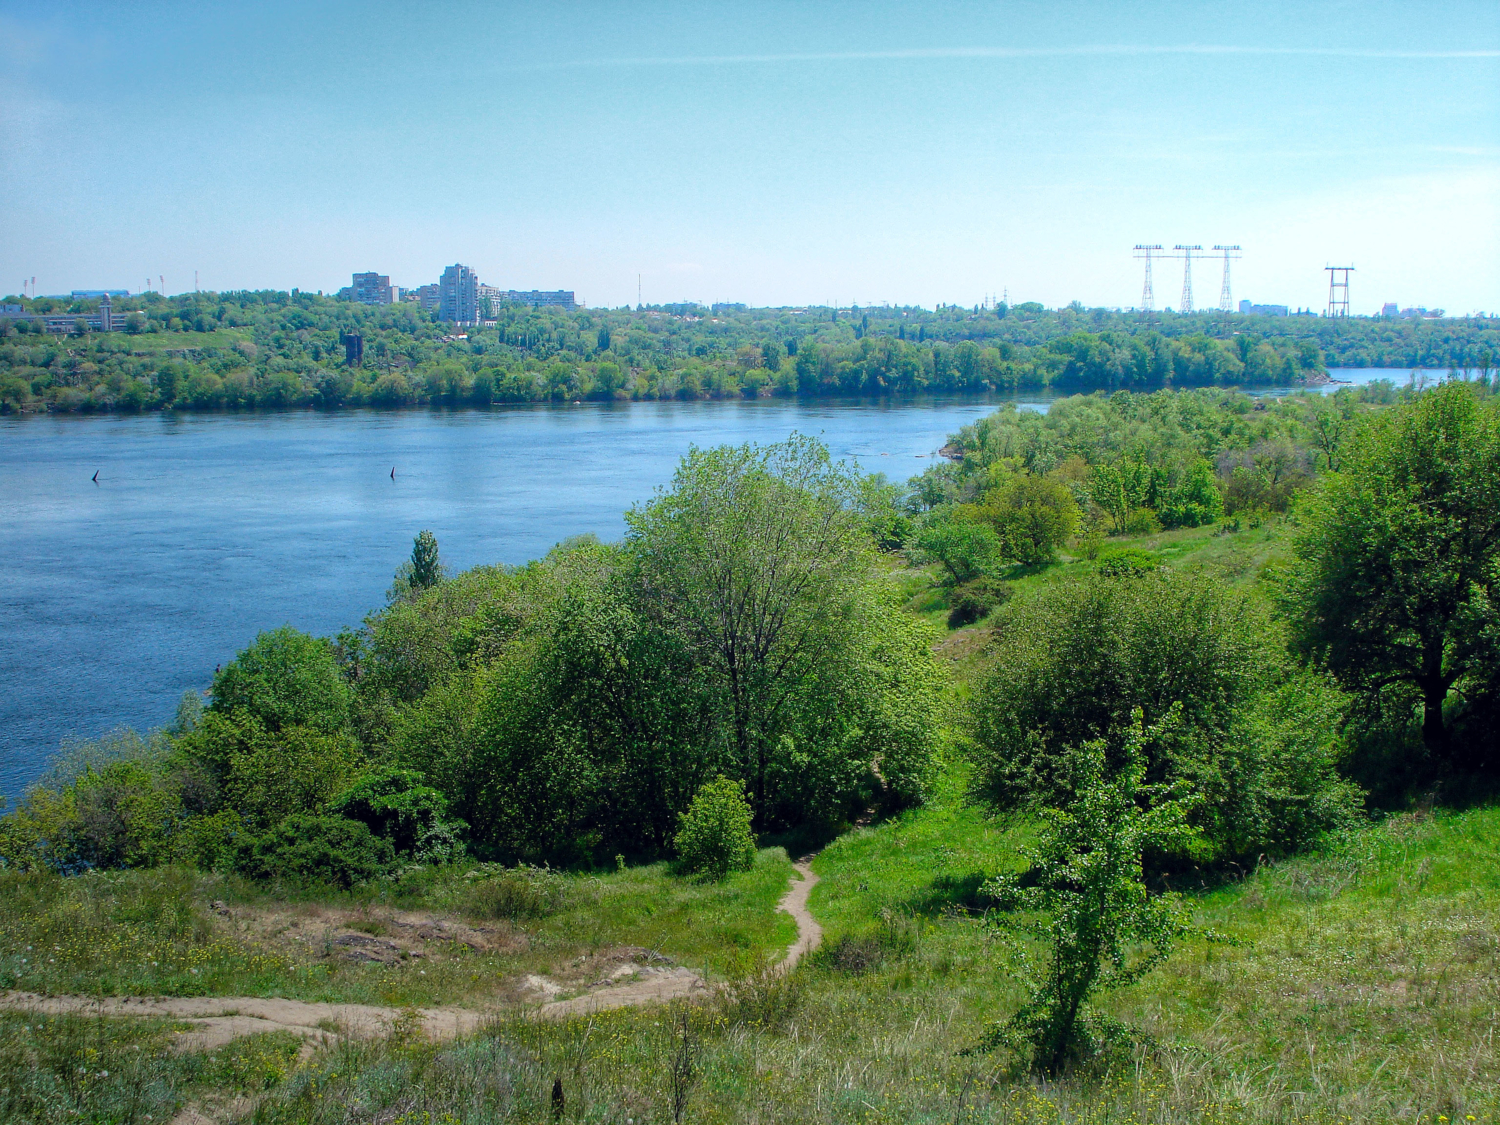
(375, 936)
(619, 977)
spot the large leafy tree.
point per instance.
(755, 557)
(1398, 558)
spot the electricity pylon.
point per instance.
(1338, 290)
(1187, 276)
(1226, 302)
(1148, 299)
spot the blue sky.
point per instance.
(768, 153)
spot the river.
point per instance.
(202, 530)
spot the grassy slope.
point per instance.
(152, 933)
(1362, 986)
(1363, 989)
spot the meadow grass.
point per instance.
(1362, 988)
(56, 1069)
(175, 341)
(1361, 983)
(1245, 557)
(152, 932)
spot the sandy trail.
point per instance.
(794, 902)
(216, 1020)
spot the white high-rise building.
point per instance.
(459, 295)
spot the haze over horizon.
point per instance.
(785, 154)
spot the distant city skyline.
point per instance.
(776, 154)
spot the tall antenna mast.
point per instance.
(1148, 299)
(1226, 302)
(1187, 276)
(1338, 290)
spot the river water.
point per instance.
(117, 596)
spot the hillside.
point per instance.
(1359, 989)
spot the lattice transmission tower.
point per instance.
(1187, 276)
(1226, 301)
(1148, 298)
(1338, 290)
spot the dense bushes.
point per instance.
(316, 849)
(599, 688)
(1257, 749)
(396, 806)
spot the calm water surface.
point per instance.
(203, 530)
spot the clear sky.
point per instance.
(768, 153)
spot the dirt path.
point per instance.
(794, 902)
(216, 1020)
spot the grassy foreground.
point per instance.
(1364, 987)
(136, 933)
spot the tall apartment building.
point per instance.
(459, 300)
(373, 289)
(428, 296)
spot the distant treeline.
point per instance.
(258, 350)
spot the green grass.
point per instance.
(1361, 988)
(56, 1069)
(1242, 557)
(152, 933)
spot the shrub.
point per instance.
(1077, 660)
(515, 893)
(1142, 521)
(1032, 516)
(395, 805)
(1085, 894)
(965, 549)
(267, 775)
(715, 837)
(317, 849)
(1121, 562)
(973, 599)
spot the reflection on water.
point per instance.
(203, 530)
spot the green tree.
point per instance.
(715, 838)
(1398, 558)
(285, 678)
(1032, 516)
(268, 774)
(755, 558)
(1085, 894)
(422, 571)
(1121, 487)
(426, 568)
(1075, 662)
(966, 549)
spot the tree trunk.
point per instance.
(1434, 734)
